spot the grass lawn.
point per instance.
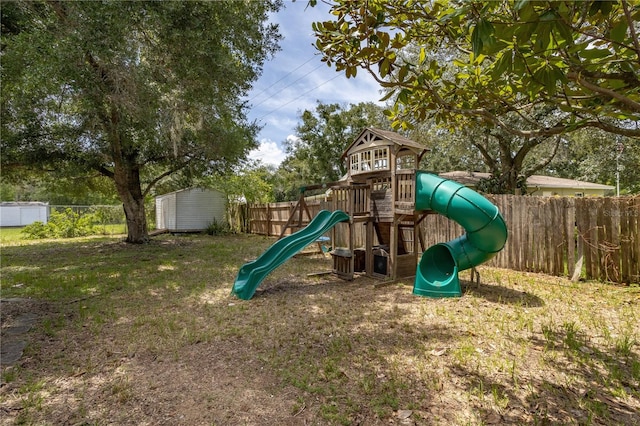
(10, 235)
(150, 334)
(15, 235)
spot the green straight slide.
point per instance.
(486, 234)
(251, 274)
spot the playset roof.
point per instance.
(389, 136)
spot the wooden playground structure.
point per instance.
(382, 238)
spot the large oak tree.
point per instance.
(134, 91)
(582, 57)
(496, 63)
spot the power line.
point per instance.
(290, 84)
(301, 95)
(282, 78)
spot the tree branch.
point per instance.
(495, 120)
(635, 106)
(548, 160)
(631, 25)
(104, 171)
(164, 175)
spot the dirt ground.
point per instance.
(317, 350)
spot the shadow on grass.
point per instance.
(589, 386)
(354, 353)
(499, 294)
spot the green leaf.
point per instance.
(423, 56)
(619, 31)
(476, 41)
(403, 96)
(565, 31)
(402, 73)
(523, 32)
(383, 67)
(549, 15)
(458, 63)
(595, 53)
(502, 65)
(387, 96)
(486, 32)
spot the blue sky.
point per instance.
(295, 79)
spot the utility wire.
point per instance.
(301, 95)
(282, 78)
(290, 84)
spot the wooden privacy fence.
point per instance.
(270, 219)
(591, 238)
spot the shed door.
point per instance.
(164, 214)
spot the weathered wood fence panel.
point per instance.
(600, 237)
(270, 219)
(607, 232)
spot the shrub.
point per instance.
(218, 228)
(36, 230)
(66, 224)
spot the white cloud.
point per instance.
(292, 139)
(296, 79)
(268, 152)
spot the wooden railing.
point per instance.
(405, 188)
(353, 199)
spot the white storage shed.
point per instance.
(190, 210)
(23, 213)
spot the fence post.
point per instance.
(268, 220)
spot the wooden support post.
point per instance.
(393, 249)
(369, 248)
(291, 216)
(352, 260)
(416, 232)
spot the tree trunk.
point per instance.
(127, 180)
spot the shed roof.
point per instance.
(390, 137)
(193, 188)
(22, 203)
(472, 178)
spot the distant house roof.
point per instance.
(389, 136)
(472, 178)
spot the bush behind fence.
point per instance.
(106, 214)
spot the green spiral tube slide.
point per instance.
(251, 274)
(486, 234)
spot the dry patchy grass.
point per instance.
(151, 335)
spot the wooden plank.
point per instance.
(514, 227)
(633, 214)
(587, 240)
(580, 235)
(525, 247)
(538, 234)
(611, 224)
(601, 246)
(570, 221)
(561, 237)
(552, 220)
(625, 240)
(592, 247)
(548, 249)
